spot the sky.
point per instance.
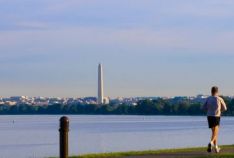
(147, 47)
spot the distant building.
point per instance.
(106, 100)
(11, 103)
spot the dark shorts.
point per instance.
(213, 121)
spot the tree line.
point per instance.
(143, 107)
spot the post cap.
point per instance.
(64, 124)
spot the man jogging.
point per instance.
(214, 105)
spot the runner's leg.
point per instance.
(213, 135)
(216, 133)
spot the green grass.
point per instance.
(155, 152)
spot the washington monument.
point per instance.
(100, 99)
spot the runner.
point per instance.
(214, 105)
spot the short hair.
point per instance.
(214, 90)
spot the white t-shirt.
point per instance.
(214, 105)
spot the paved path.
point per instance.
(192, 154)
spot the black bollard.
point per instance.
(64, 128)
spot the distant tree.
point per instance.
(195, 109)
(123, 109)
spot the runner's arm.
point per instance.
(223, 105)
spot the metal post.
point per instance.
(64, 128)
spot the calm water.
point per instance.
(37, 136)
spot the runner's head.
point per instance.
(214, 91)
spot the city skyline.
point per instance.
(149, 48)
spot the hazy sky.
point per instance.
(147, 47)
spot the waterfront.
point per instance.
(36, 136)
